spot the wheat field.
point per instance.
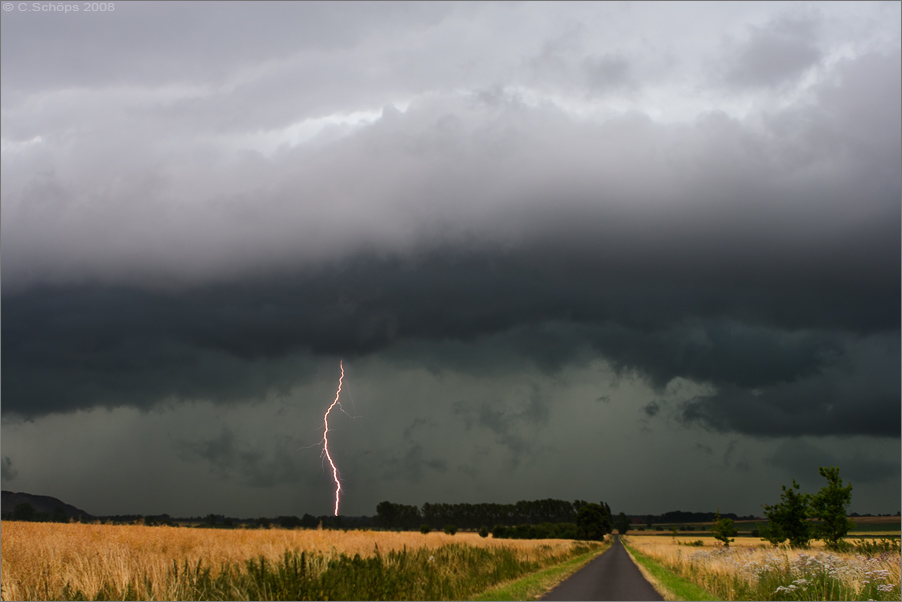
(40, 559)
(752, 569)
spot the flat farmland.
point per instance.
(754, 570)
(865, 526)
(876, 526)
(66, 561)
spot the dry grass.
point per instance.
(39, 559)
(751, 569)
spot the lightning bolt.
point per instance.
(326, 436)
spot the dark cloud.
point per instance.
(800, 459)
(734, 458)
(651, 409)
(412, 466)
(858, 394)
(497, 213)
(704, 448)
(265, 465)
(479, 313)
(7, 471)
(510, 425)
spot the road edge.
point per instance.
(508, 590)
(666, 592)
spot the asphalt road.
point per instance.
(611, 576)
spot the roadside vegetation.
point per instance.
(673, 585)
(750, 570)
(535, 584)
(744, 568)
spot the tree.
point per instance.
(288, 522)
(425, 529)
(450, 529)
(788, 519)
(622, 524)
(592, 522)
(723, 529)
(830, 505)
(24, 511)
(387, 514)
(397, 516)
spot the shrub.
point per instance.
(483, 531)
(450, 529)
(424, 529)
(698, 543)
(723, 530)
(874, 547)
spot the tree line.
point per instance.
(26, 512)
(473, 516)
(536, 519)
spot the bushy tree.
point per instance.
(788, 519)
(830, 506)
(450, 529)
(592, 522)
(425, 529)
(397, 516)
(289, 522)
(723, 529)
(262, 523)
(387, 514)
(24, 511)
(622, 524)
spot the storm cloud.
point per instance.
(702, 203)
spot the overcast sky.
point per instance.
(641, 253)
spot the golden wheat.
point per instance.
(40, 559)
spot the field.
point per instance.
(865, 526)
(752, 570)
(72, 561)
(875, 526)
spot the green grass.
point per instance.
(678, 587)
(861, 528)
(536, 584)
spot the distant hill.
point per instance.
(41, 503)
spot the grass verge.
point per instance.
(674, 586)
(534, 585)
